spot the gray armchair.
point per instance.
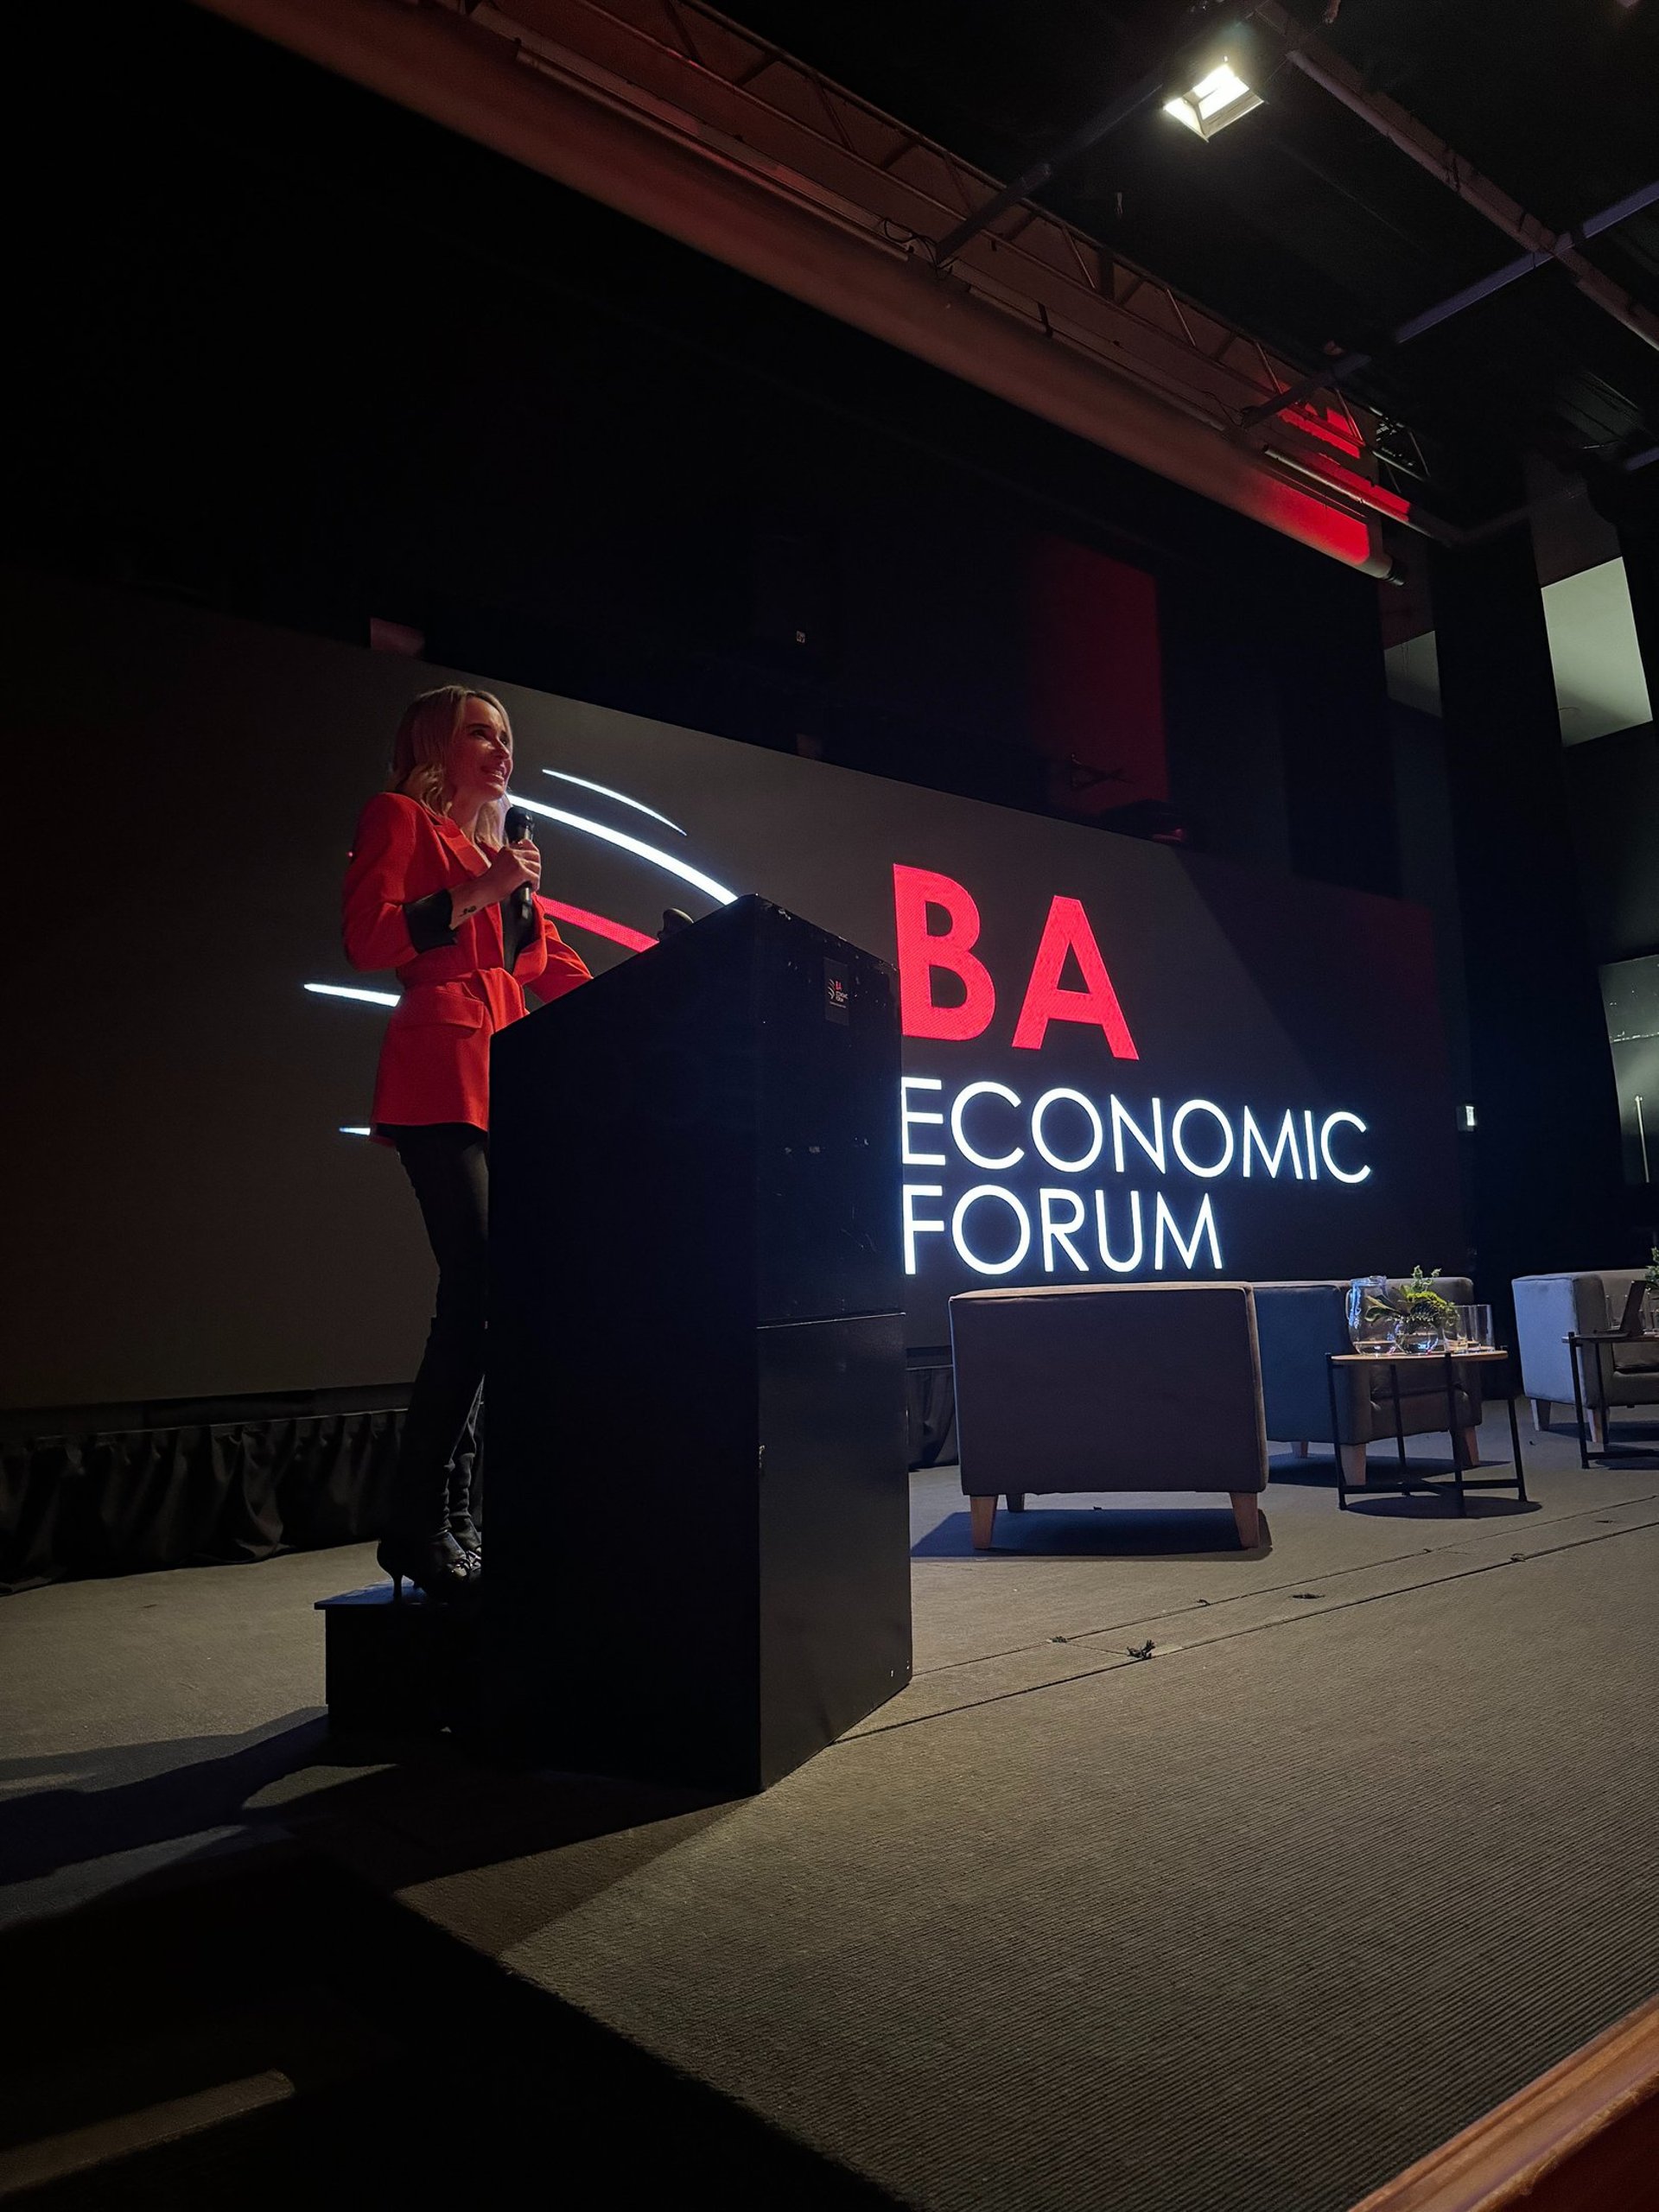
(1299, 1326)
(1549, 1307)
(1108, 1387)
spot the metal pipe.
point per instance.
(1122, 110)
(1329, 71)
(1362, 497)
(1483, 288)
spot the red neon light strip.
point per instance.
(600, 925)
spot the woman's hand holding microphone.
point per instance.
(513, 866)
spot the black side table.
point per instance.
(1406, 1482)
(1576, 1340)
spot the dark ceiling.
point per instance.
(1303, 224)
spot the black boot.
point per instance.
(463, 1474)
(438, 1565)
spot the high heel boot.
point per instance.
(460, 1476)
(438, 1565)
(462, 1527)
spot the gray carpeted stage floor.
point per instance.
(1366, 1844)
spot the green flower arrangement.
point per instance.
(1416, 1304)
(1422, 1305)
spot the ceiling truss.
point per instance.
(680, 119)
(694, 69)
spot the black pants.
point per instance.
(448, 1164)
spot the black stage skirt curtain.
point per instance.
(199, 1495)
(212, 1493)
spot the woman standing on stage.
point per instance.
(430, 892)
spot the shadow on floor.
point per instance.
(1315, 1473)
(1097, 1532)
(409, 2061)
(1311, 1474)
(1635, 1443)
(134, 1795)
(403, 1809)
(1394, 1505)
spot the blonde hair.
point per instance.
(421, 749)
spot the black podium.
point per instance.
(698, 1520)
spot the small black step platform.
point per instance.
(407, 1667)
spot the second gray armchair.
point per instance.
(1299, 1326)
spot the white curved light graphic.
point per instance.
(351, 1129)
(587, 784)
(638, 846)
(346, 991)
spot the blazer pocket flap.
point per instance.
(429, 1006)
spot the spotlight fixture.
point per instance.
(1203, 82)
(1219, 97)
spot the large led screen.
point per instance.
(1122, 1062)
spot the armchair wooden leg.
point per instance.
(1301, 1450)
(1353, 1463)
(1541, 1410)
(1247, 1519)
(1016, 1501)
(981, 1513)
(1471, 1447)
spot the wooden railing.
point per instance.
(1583, 2138)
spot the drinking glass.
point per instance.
(1475, 1327)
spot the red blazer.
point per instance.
(457, 987)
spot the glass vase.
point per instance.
(1417, 1333)
(1372, 1314)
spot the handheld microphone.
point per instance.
(515, 829)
